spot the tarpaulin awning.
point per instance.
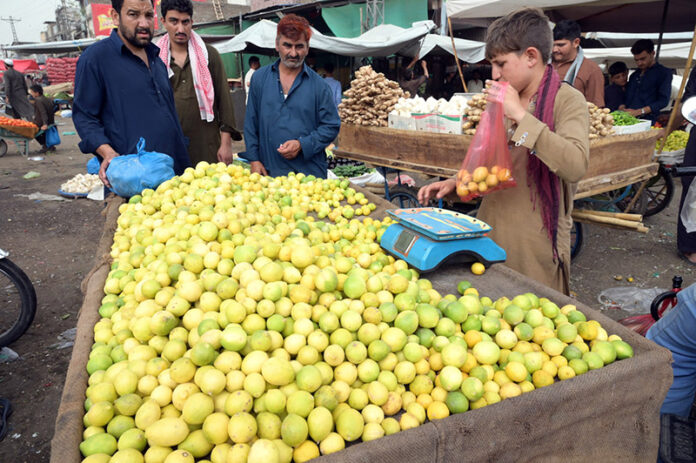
(469, 51)
(383, 40)
(21, 65)
(623, 39)
(672, 55)
(64, 46)
(592, 15)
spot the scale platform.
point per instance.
(427, 237)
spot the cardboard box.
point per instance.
(398, 122)
(438, 123)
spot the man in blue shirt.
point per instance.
(650, 87)
(334, 85)
(291, 115)
(122, 92)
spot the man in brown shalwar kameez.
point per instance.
(199, 82)
(549, 127)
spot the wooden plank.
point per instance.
(381, 160)
(607, 182)
(616, 153)
(615, 161)
(407, 146)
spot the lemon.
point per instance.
(477, 268)
(167, 432)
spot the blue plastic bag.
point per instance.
(132, 173)
(52, 136)
(93, 166)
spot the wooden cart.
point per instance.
(615, 162)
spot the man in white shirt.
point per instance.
(254, 64)
(475, 85)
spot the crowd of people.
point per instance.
(124, 83)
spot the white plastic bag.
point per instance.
(688, 212)
(629, 298)
(370, 177)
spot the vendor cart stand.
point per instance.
(20, 141)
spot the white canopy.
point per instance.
(593, 15)
(65, 46)
(672, 55)
(383, 40)
(618, 39)
(469, 51)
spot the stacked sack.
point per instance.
(61, 70)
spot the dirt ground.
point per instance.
(55, 241)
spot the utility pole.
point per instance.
(218, 10)
(12, 20)
(374, 14)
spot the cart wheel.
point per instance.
(3, 147)
(404, 196)
(659, 192)
(576, 239)
(640, 206)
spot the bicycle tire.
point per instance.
(25, 289)
(3, 147)
(658, 200)
(404, 196)
(576, 244)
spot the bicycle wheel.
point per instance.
(659, 192)
(404, 196)
(3, 147)
(17, 302)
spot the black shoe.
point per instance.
(43, 149)
(52, 149)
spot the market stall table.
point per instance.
(610, 414)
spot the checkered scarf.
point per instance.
(202, 80)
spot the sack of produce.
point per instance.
(132, 173)
(487, 166)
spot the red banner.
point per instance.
(101, 19)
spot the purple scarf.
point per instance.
(546, 183)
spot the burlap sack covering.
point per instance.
(68, 430)
(26, 132)
(607, 415)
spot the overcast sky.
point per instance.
(32, 13)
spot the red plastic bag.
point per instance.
(487, 166)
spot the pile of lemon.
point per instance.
(238, 327)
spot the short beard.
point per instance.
(292, 64)
(133, 39)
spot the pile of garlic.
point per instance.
(81, 183)
(456, 106)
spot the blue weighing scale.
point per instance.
(427, 237)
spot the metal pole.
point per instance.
(662, 29)
(456, 58)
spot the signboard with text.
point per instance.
(101, 19)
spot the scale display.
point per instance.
(405, 241)
(440, 224)
(428, 237)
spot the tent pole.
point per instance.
(662, 29)
(456, 58)
(676, 108)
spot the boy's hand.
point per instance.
(437, 190)
(512, 107)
